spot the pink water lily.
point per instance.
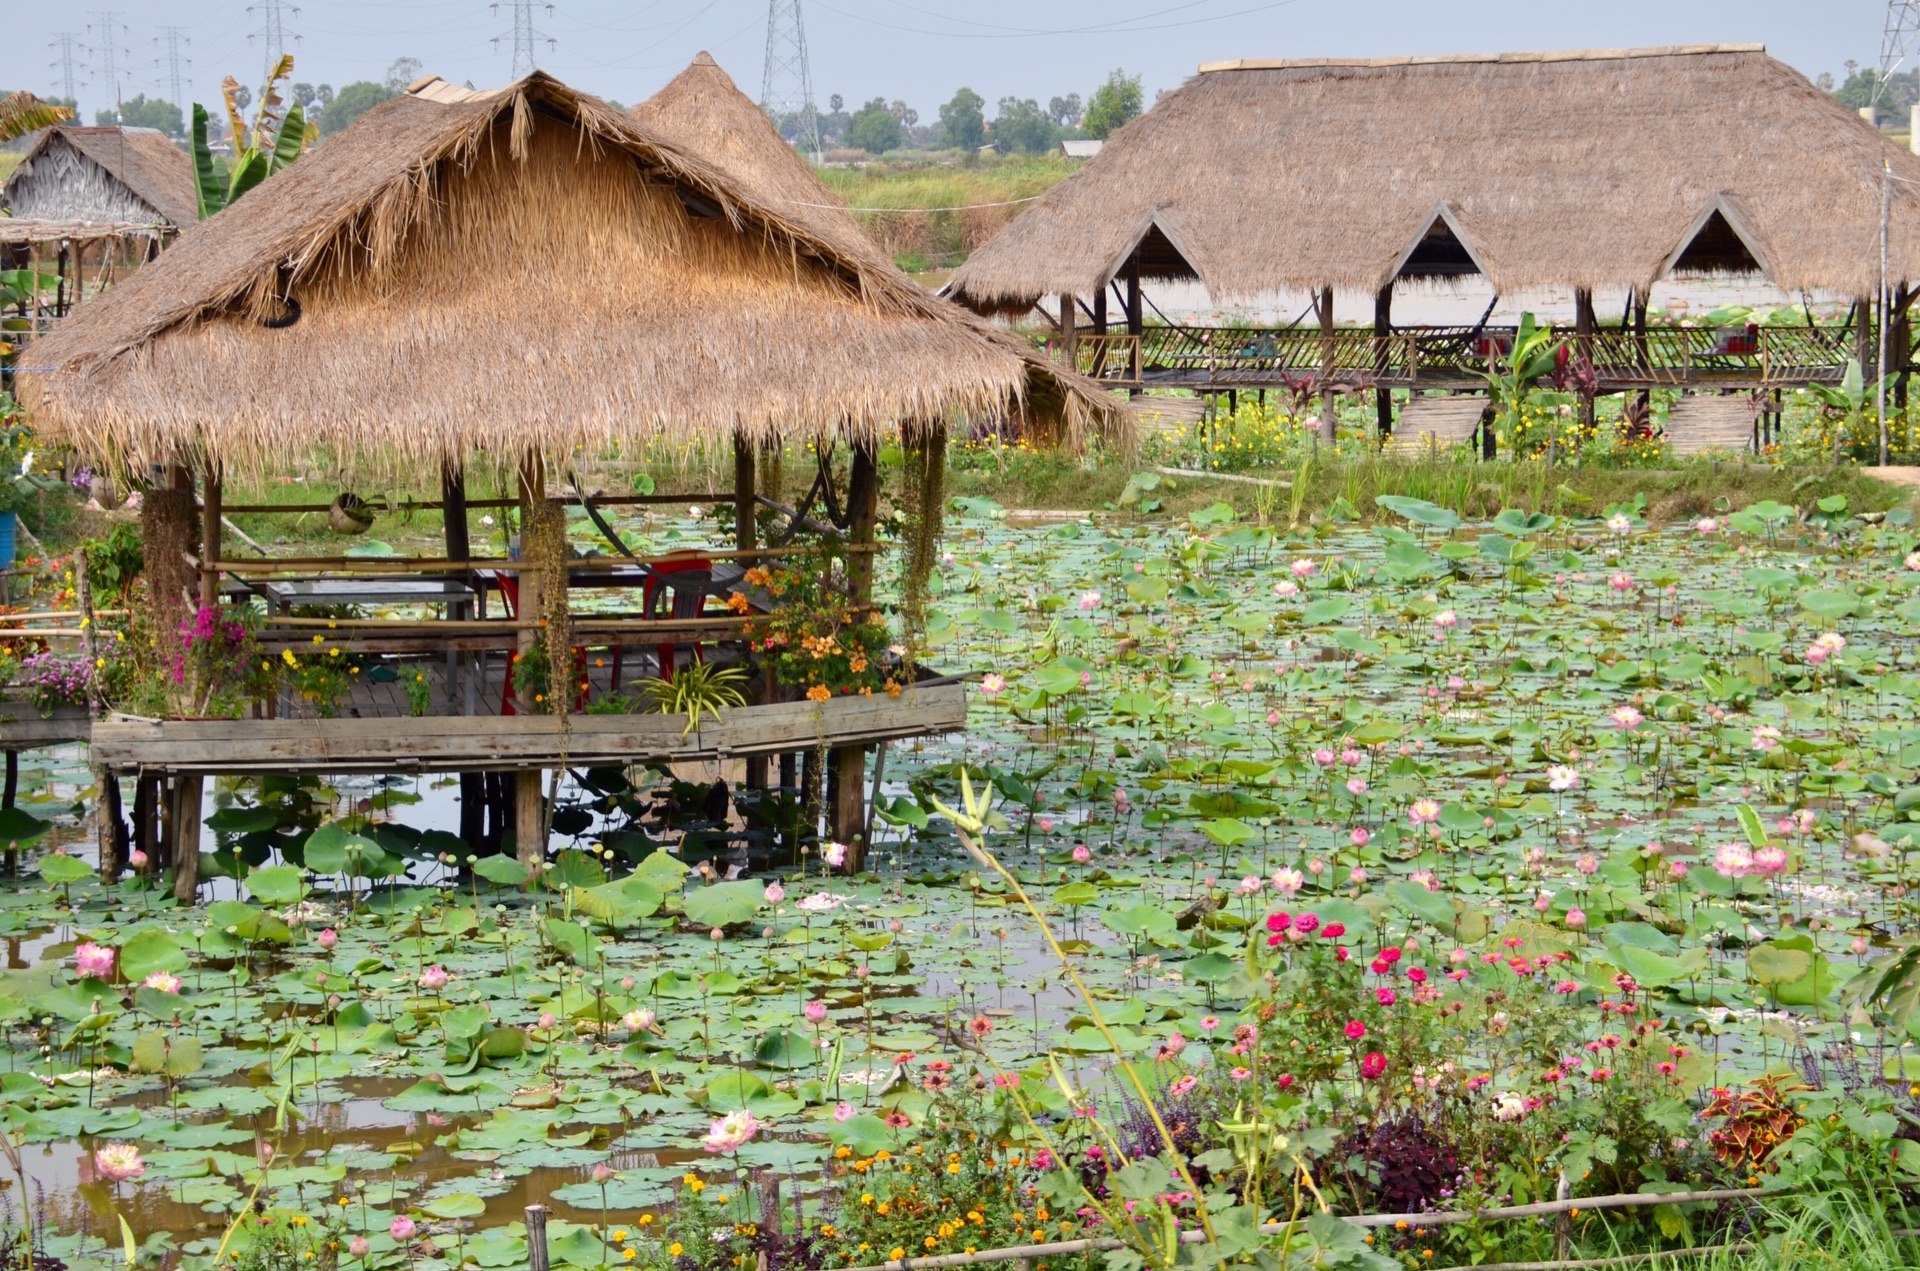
(731, 1133)
(118, 1162)
(93, 961)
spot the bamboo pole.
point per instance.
(376, 565)
(434, 505)
(210, 536)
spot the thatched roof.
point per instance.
(144, 160)
(1589, 169)
(522, 267)
(705, 112)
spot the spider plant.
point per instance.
(701, 688)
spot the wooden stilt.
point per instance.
(847, 816)
(1584, 322)
(529, 819)
(1069, 331)
(745, 538)
(7, 796)
(185, 836)
(1329, 423)
(146, 816)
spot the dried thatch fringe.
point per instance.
(527, 268)
(1565, 170)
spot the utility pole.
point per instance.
(786, 87)
(106, 20)
(525, 36)
(273, 33)
(174, 37)
(65, 41)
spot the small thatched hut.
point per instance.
(530, 273)
(133, 176)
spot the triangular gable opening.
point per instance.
(1716, 248)
(1161, 256)
(1439, 252)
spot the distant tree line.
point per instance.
(1020, 125)
(1858, 89)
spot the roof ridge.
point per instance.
(1444, 59)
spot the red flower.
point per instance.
(1373, 1065)
(1355, 1030)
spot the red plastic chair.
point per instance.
(684, 580)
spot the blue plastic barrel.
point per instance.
(6, 540)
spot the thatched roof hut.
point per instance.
(1600, 169)
(128, 175)
(520, 268)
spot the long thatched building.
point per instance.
(1596, 170)
(530, 273)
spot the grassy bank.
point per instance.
(906, 206)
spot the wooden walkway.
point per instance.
(453, 743)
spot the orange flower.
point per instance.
(857, 665)
(737, 603)
(818, 693)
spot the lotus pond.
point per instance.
(1399, 868)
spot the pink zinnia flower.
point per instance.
(1373, 1065)
(1306, 924)
(1355, 1030)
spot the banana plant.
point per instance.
(1850, 399)
(1534, 354)
(274, 141)
(22, 113)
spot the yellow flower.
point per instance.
(619, 1235)
(629, 1254)
(898, 1253)
(676, 1249)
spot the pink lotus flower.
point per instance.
(1731, 860)
(1561, 777)
(434, 978)
(1587, 864)
(1357, 876)
(834, 854)
(1576, 917)
(843, 1112)
(161, 980)
(327, 938)
(1676, 870)
(1323, 757)
(1288, 882)
(1286, 588)
(402, 1228)
(359, 1247)
(1770, 861)
(774, 894)
(1446, 620)
(1046, 825)
(1621, 582)
(1766, 737)
(1626, 718)
(93, 961)
(815, 1011)
(1249, 886)
(1359, 836)
(602, 1173)
(993, 684)
(1302, 568)
(118, 1162)
(731, 1133)
(637, 1021)
(1423, 812)
(1707, 525)
(547, 1021)
(137, 861)
(1089, 601)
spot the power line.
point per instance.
(786, 85)
(174, 37)
(66, 40)
(273, 32)
(1903, 20)
(106, 19)
(525, 36)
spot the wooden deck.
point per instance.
(23, 728)
(453, 743)
(1227, 359)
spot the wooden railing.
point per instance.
(1663, 356)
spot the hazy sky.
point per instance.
(917, 50)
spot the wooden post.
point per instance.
(459, 545)
(1329, 424)
(1069, 337)
(529, 819)
(106, 809)
(1382, 334)
(1136, 324)
(185, 844)
(745, 538)
(537, 1237)
(1642, 356)
(7, 796)
(847, 816)
(1583, 324)
(210, 535)
(1900, 338)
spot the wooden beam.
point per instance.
(1068, 329)
(184, 845)
(743, 492)
(1135, 320)
(847, 817)
(530, 821)
(430, 505)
